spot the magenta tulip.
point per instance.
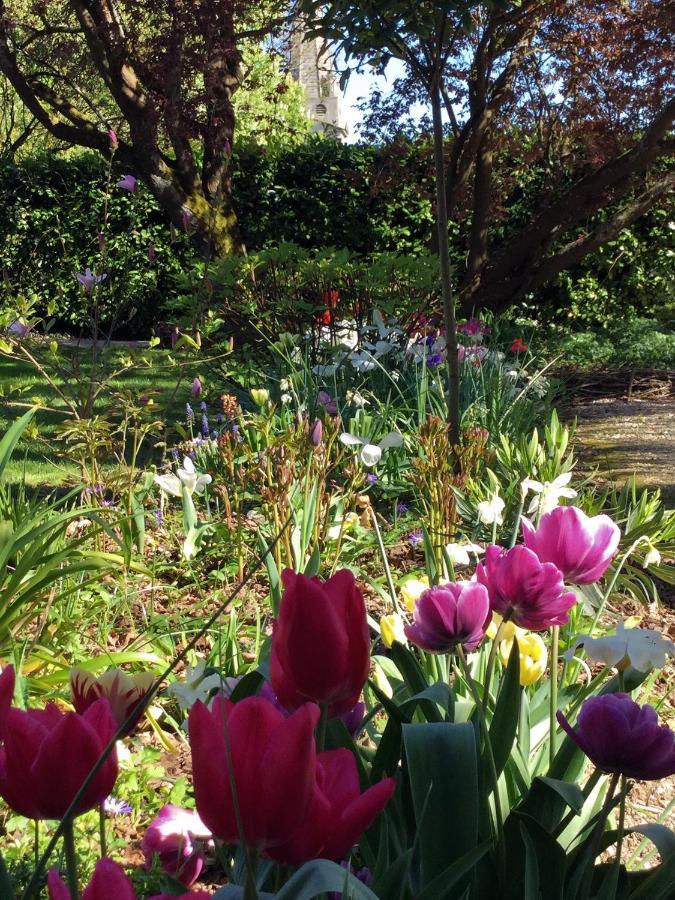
(339, 814)
(530, 593)
(620, 736)
(448, 615)
(581, 546)
(176, 837)
(107, 883)
(273, 765)
(47, 754)
(320, 643)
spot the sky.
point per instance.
(360, 85)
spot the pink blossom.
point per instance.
(448, 615)
(174, 836)
(529, 592)
(112, 137)
(581, 546)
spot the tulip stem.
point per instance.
(490, 759)
(516, 527)
(385, 561)
(321, 728)
(250, 890)
(101, 830)
(71, 859)
(491, 661)
(553, 682)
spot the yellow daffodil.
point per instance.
(533, 656)
(411, 589)
(392, 629)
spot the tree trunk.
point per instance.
(444, 259)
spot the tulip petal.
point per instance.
(213, 796)
(108, 882)
(56, 888)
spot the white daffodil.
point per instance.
(458, 554)
(491, 511)
(371, 454)
(643, 648)
(652, 558)
(185, 477)
(549, 493)
(356, 399)
(196, 685)
(363, 361)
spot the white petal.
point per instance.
(188, 465)
(370, 455)
(352, 440)
(202, 481)
(170, 484)
(563, 479)
(393, 439)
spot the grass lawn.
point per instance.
(41, 455)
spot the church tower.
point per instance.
(312, 65)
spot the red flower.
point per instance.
(273, 765)
(330, 301)
(518, 346)
(108, 881)
(339, 813)
(320, 644)
(47, 754)
(122, 691)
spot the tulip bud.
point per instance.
(316, 434)
(53, 347)
(260, 396)
(392, 630)
(196, 387)
(112, 137)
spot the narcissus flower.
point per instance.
(47, 754)
(392, 629)
(176, 837)
(270, 758)
(548, 493)
(185, 478)
(458, 554)
(522, 588)
(533, 656)
(320, 642)
(371, 454)
(89, 281)
(411, 589)
(581, 546)
(339, 812)
(121, 690)
(620, 736)
(641, 648)
(491, 511)
(450, 615)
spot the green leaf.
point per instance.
(570, 793)
(442, 763)
(659, 884)
(11, 438)
(6, 887)
(444, 883)
(504, 723)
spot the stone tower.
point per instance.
(312, 65)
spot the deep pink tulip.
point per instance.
(7, 680)
(176, 837)
(448, 615)
(107, 883)
(531, 593)
(128, 183)
(273, 761)
(339, 814)
(620, 736)
(320, 643)
(47, 754)
(581, 546)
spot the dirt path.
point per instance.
(620, 437)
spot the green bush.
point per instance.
(638, 343)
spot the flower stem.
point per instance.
(555, 639)
(101, 830)
(489, 756)
(321, 728)
(385, 561)
(250, 890)
(622, 826)
(491, 661)
(516, 527)
(71, 859)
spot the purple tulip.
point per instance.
(112, 137)
(328, 403)
(196, 387)
(127, 183)
(582, 547)
(530, 593)
(620, 736)
(175, 837)
(449, 615)
(316, 434)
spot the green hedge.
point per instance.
(319, 194)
